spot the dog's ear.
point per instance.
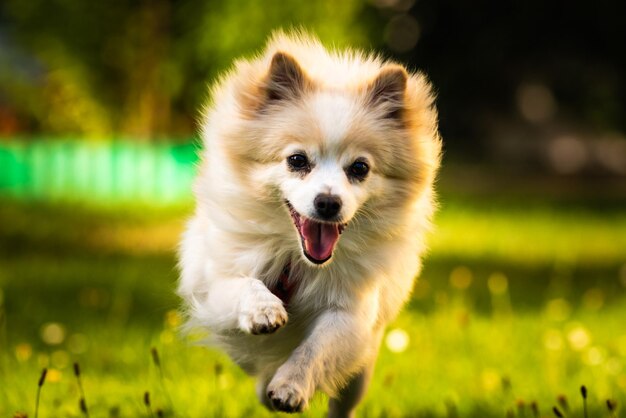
(388, 90)
(285, 79)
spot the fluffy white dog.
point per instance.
(313, 198)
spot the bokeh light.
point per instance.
(461, 277)
(402, 33)
(536, 102)
(578, 337)
(397, 340)
(53, 333)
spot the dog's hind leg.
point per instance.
(261, 390)
(344, 404)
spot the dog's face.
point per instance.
(331, 152)
(324, 185)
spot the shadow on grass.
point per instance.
(528, 287)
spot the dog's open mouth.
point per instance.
(318, 238)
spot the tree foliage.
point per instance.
(139, 68)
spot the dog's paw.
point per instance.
(261, 312)
(287, 397)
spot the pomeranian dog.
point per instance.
(314, 195)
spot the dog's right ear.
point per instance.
(389, 89)
(285, 79)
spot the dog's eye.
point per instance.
(359, 169)
(298, 162)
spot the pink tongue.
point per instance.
(319, 238)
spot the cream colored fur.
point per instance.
(242, 235)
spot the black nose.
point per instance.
(327, 205)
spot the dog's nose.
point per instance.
(327, 205)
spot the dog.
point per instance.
(314, 195)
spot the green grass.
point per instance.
(519, 301)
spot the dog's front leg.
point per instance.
(239, 303)
(325, 359)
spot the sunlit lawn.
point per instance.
(519, 301)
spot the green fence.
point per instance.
(97, 171)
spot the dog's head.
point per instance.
(335, 144)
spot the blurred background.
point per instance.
(523, 295)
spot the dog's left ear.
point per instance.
(388, 90)
(285, 79)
